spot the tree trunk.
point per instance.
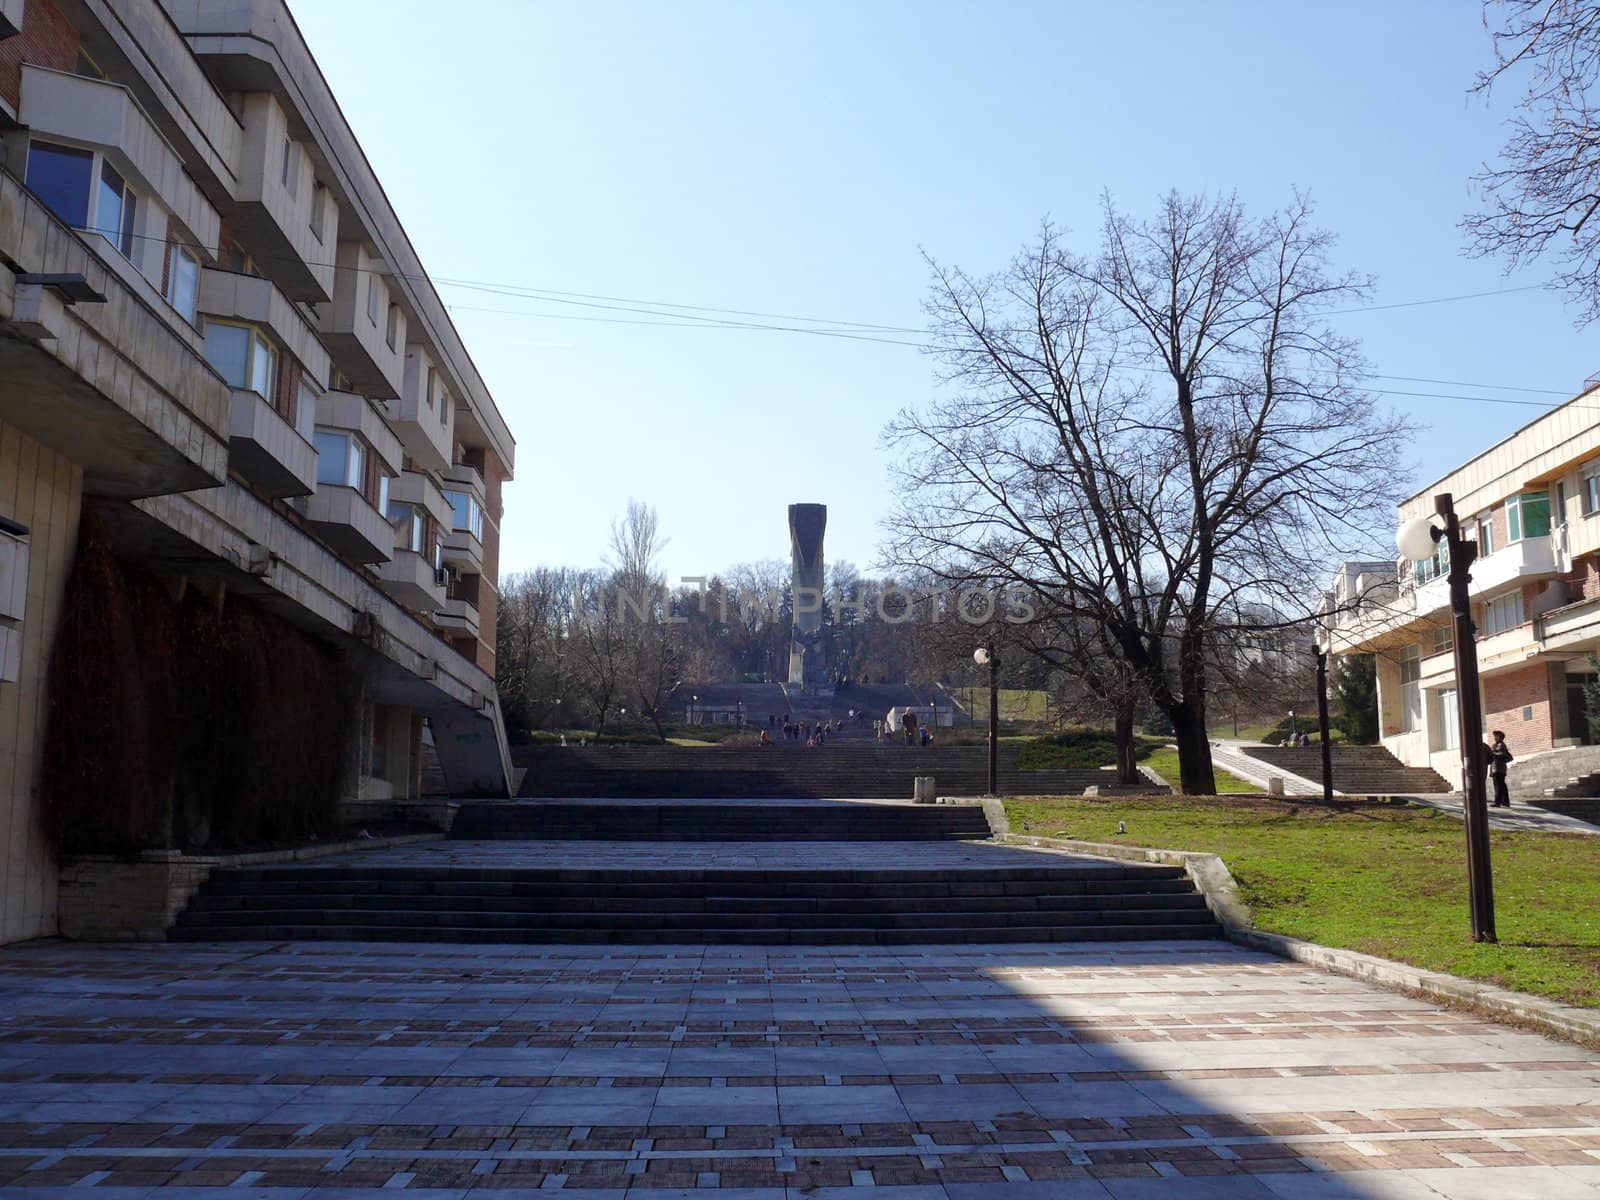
(1127, 762)
(1194, 749)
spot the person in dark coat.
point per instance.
(1499, 759)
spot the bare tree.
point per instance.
(1151, 437)
(599, 646)
(1544, 196)
(636, 545)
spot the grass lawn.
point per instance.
(1383, 878)
(1165, 763)
(1252, 733)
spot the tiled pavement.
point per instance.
(1126, 1070)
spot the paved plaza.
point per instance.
(1125, 1070)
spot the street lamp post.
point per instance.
(1323, 725)
(981, 656)
(1415, 540)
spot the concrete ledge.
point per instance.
(103, 898)
(437, 812)
(1216, 883)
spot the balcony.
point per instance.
(419, 490)
(96, 113)
(236, 297)
(105, 382)
(462, 477)
(288, 228)
(342, 517)
(267, 450)
(356, 414)
(358, 341)
(411, 580)
(1529, 558)
(464, 551)
(457, 617)
(422, 416)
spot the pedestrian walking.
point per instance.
(1499, 759)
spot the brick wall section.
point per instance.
(47, 40)
(1507, 696)
(1585, 578)
(112, 900)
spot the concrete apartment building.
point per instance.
(216, 338)
(1533, 503)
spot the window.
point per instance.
(372, 299)
(468, 513)
(383, 492)
(228, 350)
(1485, 535)
(263, 368)
(341, 460)
(1449, 720)
(444, 407)
(411, 523)
(183, 280)
(1410, 689)
(1528, 515)
(115, 210)
(1442, 640)
(427, 393)
(243, 357)
(1439, 564)
(1502, 613)
(319, 210)
(1591, 488)
(305, 405)
(393, 330)
(288, 172)
(59, 176)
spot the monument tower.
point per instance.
(807, 523)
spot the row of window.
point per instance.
(84, 190)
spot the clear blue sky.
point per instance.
(794, 158)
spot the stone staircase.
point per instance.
(838, 770)
(509, 892)
(1567, 773)
(1357, 770)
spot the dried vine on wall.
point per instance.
(171, 723)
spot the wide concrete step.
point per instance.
(908, 936)
(651, 919)
(256, 901)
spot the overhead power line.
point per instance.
(685, 316)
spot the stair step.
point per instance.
(755, 937)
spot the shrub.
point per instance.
(1078, 749)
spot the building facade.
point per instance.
(1532, 502)
(216, 338)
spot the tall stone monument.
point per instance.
(807, 523)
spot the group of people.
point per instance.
(905, 723)
(806, 732)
